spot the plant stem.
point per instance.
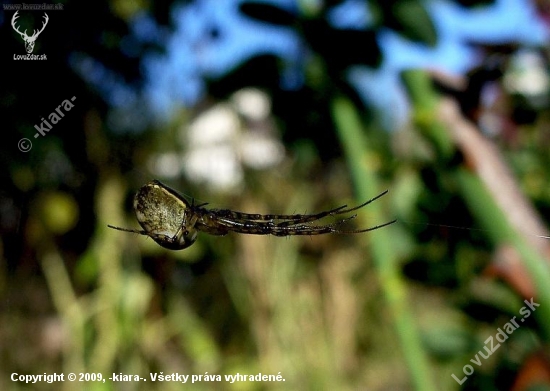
(365, 179)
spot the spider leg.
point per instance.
(225, 225)
(305, 229)
(221, 221)
(230, 215)
(294, 218)
(283, 229)
(333, 212)
(257, 227)
(335, 230)
(159, 238)
(340, 211)
(128, 230)
(278, 229)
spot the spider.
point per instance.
(172, 222)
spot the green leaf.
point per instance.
(410, 18)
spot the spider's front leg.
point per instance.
(219, 225)
(208, 222)
(231, 215)
(277, 229)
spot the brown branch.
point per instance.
(484, 158)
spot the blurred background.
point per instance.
(279, 106)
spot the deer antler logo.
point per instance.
(29, 41)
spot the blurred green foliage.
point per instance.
(399, 308)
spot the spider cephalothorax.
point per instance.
(174, 223)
